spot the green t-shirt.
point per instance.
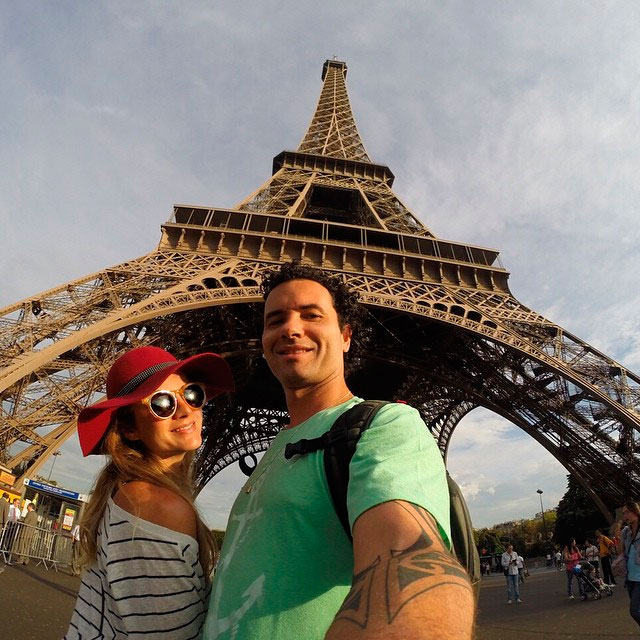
(286, 564)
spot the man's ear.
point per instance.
(346, 338)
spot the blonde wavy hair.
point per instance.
(130, 461)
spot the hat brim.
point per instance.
(210, 369)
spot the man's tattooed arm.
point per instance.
(406, 583)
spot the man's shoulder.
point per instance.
(392, 411)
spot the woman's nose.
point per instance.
(183, 408)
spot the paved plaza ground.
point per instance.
(37, 605)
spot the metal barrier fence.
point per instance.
(21, 542)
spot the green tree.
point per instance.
(577, 516)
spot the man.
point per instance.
(5, 507)
(520, 565)
(605, 544)
(287, 568)
(12, 527)
(510, 565)
(558, 558)
(27, 534)
(14, 510)
(591, 554)
(76, 568)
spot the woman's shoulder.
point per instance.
(158, 505)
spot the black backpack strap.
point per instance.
(337, 456)
(339, 444)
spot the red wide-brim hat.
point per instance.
(139, 372)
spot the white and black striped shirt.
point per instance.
(147, 582)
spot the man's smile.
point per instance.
(292, 350)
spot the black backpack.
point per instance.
(339, 445)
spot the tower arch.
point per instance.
(446, 329)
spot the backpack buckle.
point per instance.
(295, 449)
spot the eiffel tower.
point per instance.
(447, 335)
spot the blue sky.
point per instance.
(509, 125)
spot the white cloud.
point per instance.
(499, 468)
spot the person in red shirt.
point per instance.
(571, 555)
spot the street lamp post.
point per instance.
(55, 454)
(544, 522)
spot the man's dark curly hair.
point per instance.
(345, 301)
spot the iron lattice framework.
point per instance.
(448, 335)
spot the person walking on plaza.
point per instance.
(287, 567)
(5, 507)
(11, 530)
(630, 538)
(520, 565)
(605, 546)
(27, 534)
(571, 557)
(148, 554)
(76, 568)
(558, 559)
(510, 566)
(592, 555)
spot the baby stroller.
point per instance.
(591, 586)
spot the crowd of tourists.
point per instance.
(598, 563)
(613, 558)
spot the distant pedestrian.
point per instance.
(606, 545)
(26, 535)
(4, 519)
(592, 555)
(630, 537)
(615, 533)
(548, 559)
(520, 565)
(510, 567)
(14, 510)
(11, 529)
(76, 552)
(4, 509)
(571, 558)
(558, 559)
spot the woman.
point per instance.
(631, 548)
(571, 555)
(149, 556)
(615, 532)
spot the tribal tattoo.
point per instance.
(410, 572)
(355, 608)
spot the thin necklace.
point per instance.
(249, 485)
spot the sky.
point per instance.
(507, 124)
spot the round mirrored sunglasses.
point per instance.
(163, 403)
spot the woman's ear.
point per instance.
(126, 425)
(130, 433)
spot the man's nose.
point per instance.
(291, 327)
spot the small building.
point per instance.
(57, 508)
